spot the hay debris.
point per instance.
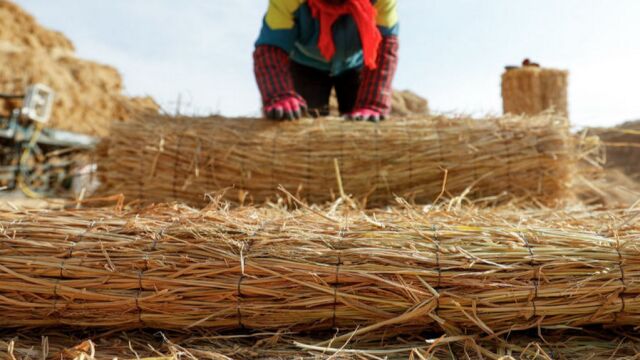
(267, 269)
(160, 159)
(65, 345)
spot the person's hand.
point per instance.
(289, 108)
(365, 115)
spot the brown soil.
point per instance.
(88, 95)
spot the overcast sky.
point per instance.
(452, 51)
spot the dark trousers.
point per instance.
(315, 87)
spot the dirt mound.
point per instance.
(403, 103)
(88, 95)
(623, 147)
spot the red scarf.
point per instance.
(364, 14)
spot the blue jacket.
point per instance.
(289, 25)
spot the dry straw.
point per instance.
(160, 159)
(532, 90)
(267, 269)
(64, 345)
(622, 147)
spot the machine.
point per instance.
(33, 158)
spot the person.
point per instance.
(307, 48)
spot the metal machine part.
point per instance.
(35, 159)
(38, 103)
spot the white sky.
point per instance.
(452, 51)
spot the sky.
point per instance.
(195, 55)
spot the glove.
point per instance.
(366, 115)
(279, 98)
(375, 92)
(289, 108)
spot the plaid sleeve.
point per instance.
(273, 75)
(376, 87)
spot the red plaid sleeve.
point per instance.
(375, 89)
(271, 67)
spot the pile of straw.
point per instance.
(612, 189)
(533, 90)
(20, 29)
(58, 344)
(623, 147)
(89, 96)
(421, 159)
(267, 269)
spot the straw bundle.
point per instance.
(177, 268)
(532, 90)
(420, 159)
(59, 344)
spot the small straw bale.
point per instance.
(163, 159)
(266, 269)
(532, 90)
